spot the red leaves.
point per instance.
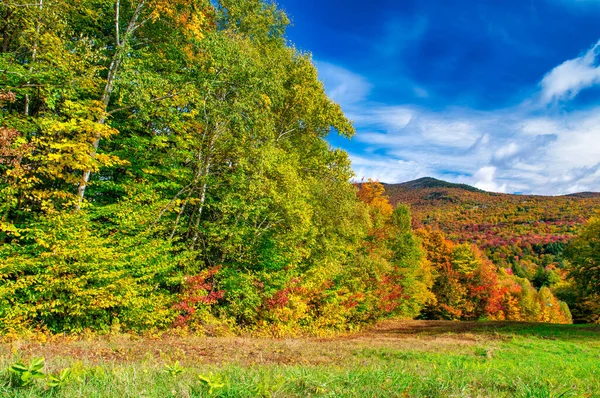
(10, 153)
(279, 299)
(354, 300)
(7, 96)
(198, 291)
(390, 293)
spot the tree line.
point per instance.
(164, 164)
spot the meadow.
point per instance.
(394, 358)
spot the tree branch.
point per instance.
(147, 102)
(117, 17)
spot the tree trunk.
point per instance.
(40, 6)
(108, 88)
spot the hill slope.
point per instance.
(524, 233)
(429, 182)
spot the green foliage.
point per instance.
(23, 375)
(66, 277)
(583, 253)
(175, 369)
(211, 382)
(389, 276)
(59, 380)
(167, 140)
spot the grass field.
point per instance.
(395, 358)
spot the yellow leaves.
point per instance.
(188, 15)
(66, 145)
(373, 194)
(266, 100)
(7, 227)
(91, 110)
(110, 160)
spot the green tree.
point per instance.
(583, 253)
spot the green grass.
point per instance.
(405, 359)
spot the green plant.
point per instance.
(23, 375)
(268, 384)
(59, 380)
(211, 382)
(174, 369)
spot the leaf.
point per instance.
(36, 364)
(18, 367)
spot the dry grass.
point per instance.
(438, 336)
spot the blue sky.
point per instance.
(503, 95)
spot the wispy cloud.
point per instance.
(344, 87)
(569, 78)
(522, 150)
(527, 148)
(390, 118)
(388, 168)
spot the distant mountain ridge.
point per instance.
(430, 182)
(584, 195)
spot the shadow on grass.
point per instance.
(492, 329)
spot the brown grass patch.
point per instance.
(399, 335)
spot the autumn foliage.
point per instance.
(164, 164)
(469, 287)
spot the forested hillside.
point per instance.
(524, 235)
(164, 164)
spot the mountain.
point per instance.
(525, 234)
(585, 195)
(429, 182)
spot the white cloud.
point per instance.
(578, 143)
(387, 169)
(392, 118)
(507, 150)
(540, 125)
(529, 148)
(454, 133)
(484, 178)
(344, 87)
(514, 152)
(567, 79)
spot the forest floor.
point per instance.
(391, 359)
